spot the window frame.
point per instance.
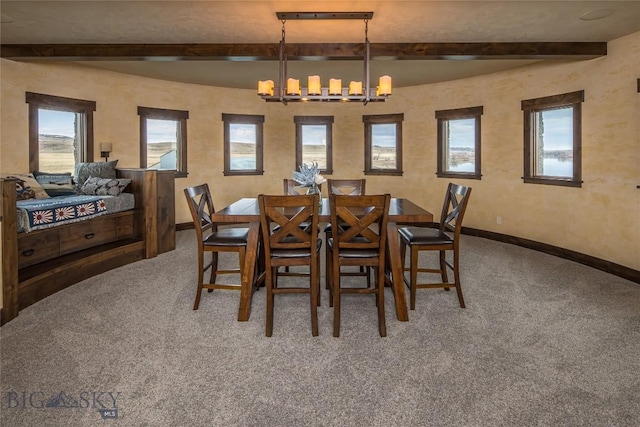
(442, 117)
(58, 103)
(254, 119)
(535, 105)
(327, 121)
(181, 117)
(370, 120)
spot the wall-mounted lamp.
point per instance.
(105, 150)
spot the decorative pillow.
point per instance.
(27, 187)
(56, 184)
(83, 171)
(104, 186)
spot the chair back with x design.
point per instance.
(453, 209)
(290, 233)
(349, 187)
(201, 208)
(358, 238)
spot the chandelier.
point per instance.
(289, 89)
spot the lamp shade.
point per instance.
(105, 146)
(355, 88)
(265, 87)
(384, 85)
(293, 87)
(335, 87)
(314, 87)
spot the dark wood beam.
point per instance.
(269, 51)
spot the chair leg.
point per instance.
(269, 324)
(403, 257)
(317, 284)
(327, 272)
(382, 324)
(196, 303)
(336, 300)
(413, 281)
(456, 275)
(313, 285)
(443, 268)
(214, 268)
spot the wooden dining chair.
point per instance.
(350, 187)
(362, 243)
(213, 240)
(289, 245)
(292, 187)
(445, 238)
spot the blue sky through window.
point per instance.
(314, 134)
(383, 135)
(558, 129)
(53, 122)
(161, 131)
(239, 132)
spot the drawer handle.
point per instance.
(89, 235)
(28, 252)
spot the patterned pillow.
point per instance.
(104, 186)
(83, 171)
(56, 184)
(27, 187)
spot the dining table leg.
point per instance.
(248, 271)
(393, 242)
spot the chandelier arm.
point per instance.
(366, 62)
(282, 75)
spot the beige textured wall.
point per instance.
(601, 219)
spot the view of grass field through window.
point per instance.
(553, 142)
(56, 138)
(243, 146)
(460, 151)
(383, 146)
(162, 143)
(314, 145)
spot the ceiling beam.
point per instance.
(301, 51)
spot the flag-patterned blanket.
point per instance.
(35, 214)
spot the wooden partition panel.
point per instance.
(9, 250)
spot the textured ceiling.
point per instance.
(243, 22)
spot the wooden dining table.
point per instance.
(246, 210)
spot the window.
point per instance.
(459, 143)
(242, 144)
(163, 139)
(60, 132)
(313, 141)
(553, 139)
(383, 144)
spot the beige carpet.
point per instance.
(543, 342)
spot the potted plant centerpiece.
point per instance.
(309, 177)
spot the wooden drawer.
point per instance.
(125, 225)
(37, 247)
(87, 234)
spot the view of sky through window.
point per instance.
(243, 146)
(57, 134)
(556, 145)
(461, 145)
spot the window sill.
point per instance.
(383, 172)
(477, 176)
(243, 173)
(553, 181)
